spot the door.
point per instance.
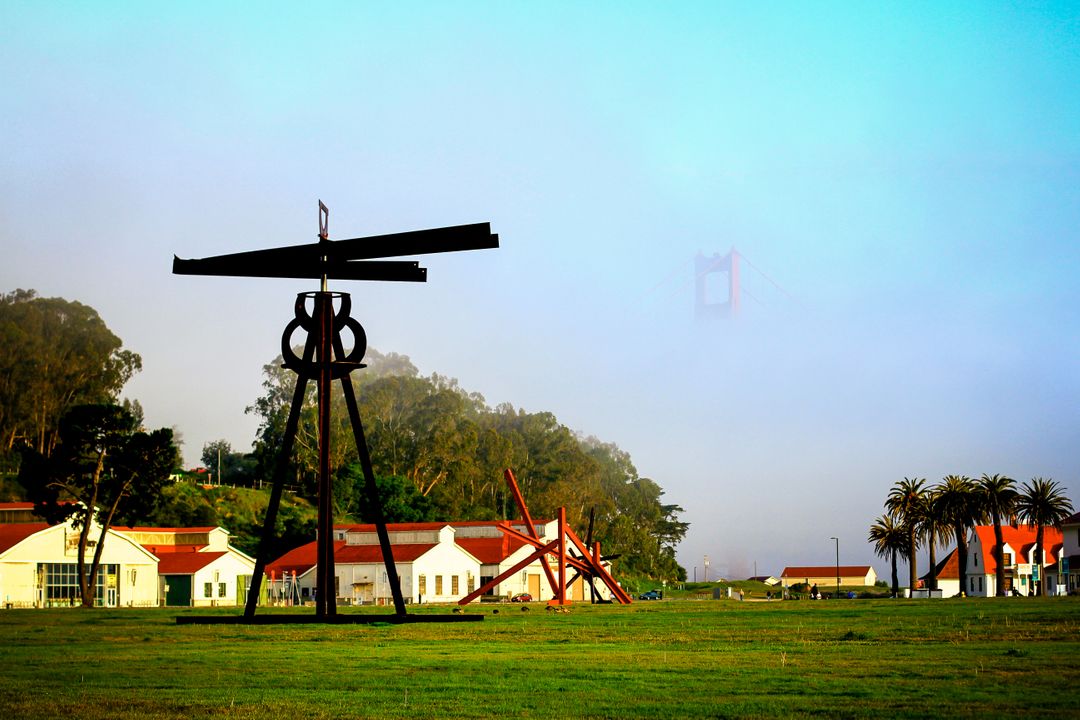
(534, 586)
(178, 590)
(577, 590)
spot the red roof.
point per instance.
(160, 550)
(186, 563)
(302, 559)
(808, 571)
(417, 526)
(490, 551)
(397, 527)
(16, 506)
(175, 530)
(13, 534)
(1021, 539)
(947, 569)
(373, 553)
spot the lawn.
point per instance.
(664, 659)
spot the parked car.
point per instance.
(651, 595)
(522, 597)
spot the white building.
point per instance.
(140, 567)
(1020, 571)
(947, 576)
(436, 562)
(431, 567)
(39, 567)
(1063, 577)
(197, 567)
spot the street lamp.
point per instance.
(837, 540)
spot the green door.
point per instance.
(178, 592)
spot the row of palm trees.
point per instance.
(917, 514)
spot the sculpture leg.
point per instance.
(280, 468)
(326, 599)
(372, 489)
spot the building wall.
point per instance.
(1018, 574)
(949, 587)
(444, 568)
(824, 582)
(221, 577)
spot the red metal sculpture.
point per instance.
(567, 550)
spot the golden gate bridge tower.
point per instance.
(708, 270)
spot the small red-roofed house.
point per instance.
(825, 575)
(948, 576)
(197, 566)
(1019, 541)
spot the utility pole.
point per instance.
(837, 566)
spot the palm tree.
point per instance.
(889, 541)
(959, 506)
(934, 527)
(1042, 504)
(998, 499)
(905, 505)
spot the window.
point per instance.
(208, 590)
(471, 585)
(221, 590)
(975, 557)
(453, 584)
(60, 583)
(421, 585)
(438, 584)
(980, 585)
(1007, 559)
(973, 584)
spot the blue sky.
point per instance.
(907, 173)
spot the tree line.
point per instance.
(928, 516)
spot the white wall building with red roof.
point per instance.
(38, 566)
(1020, 571)
(197, 567)
(437, 562)
(824, 576)
(431, 567)
(140, 567)
(948, 576)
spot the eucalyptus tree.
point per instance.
(890, 541)
(56, 354)
(998, 495)
(905, 504)
(958, 503)
(1042, 503)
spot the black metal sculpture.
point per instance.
(324, 360)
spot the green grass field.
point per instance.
(666, 659)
